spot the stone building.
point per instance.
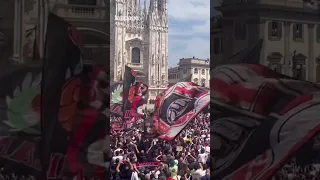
(290, 30)
(199, 69)
(21, 21)
(139, 39)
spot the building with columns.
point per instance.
(199, 69)
(22, 21)
(290, 29)
(216, 41)
(139, 39)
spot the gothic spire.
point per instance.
(153, 5)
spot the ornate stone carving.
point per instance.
(145, 31)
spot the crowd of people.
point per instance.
(187, 157)
(304, 165)
(292, 171)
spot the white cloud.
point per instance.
(189, 10)
(189, 29)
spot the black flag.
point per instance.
(128, 91)
(62, 56)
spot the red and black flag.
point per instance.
(35, 50)
(259, 119)
(59, 88)
(129, 89)
(141, 90)
(179, 104)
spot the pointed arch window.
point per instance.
(135, 55)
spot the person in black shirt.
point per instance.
(113, 168)
(124, 170)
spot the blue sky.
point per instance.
(189, 29)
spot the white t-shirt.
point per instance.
(117, 150)
(156, 174)
(196, 176)
(207, 148)
(117, 157)
(203, 157)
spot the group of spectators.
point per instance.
(187, 157)
(304, 165)
(292, 171)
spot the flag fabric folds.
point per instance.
(260, 118)
(129, 81)
(179, 104)
(129, 96)
(61, 61)
(68, 116)
(54, 114)
(20, 131)
(141, 90)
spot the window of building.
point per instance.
(216, 46)
(203, 71)
(240, 30)
(135, 55)
(83, 9)
(275, 30)
(83, 2)
(297, 32)
(195, 70)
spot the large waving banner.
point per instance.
(178, 105)
(259, 119)
(49, 123)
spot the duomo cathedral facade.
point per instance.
(139, 39)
